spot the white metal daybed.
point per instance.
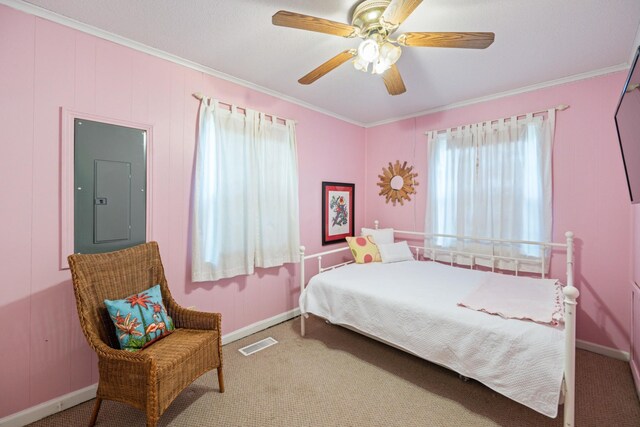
(413, 306)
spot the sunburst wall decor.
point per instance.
(397, 182)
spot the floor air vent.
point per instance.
(255, 347)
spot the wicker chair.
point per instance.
(152, 378)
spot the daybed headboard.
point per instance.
(464, 258)
(472, 259)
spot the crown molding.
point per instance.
(524, 89)
(85, 28)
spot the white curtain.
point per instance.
(492, 180)
(245, 200)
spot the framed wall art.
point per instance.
(338, 201)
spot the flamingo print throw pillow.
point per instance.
(140, 319)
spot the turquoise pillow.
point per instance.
(140, 319)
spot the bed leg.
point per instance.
(302, 249)
(570, 294)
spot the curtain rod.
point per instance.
(559, 107)
(199, 96)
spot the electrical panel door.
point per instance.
(110, 187)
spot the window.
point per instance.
(245, 209)
(491, 180)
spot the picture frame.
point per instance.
(338, 220)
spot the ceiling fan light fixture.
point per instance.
(380, 67)
(390, 53)
(368, 50)
(360, 64)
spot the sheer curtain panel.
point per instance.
(245, 200)
(492, 180)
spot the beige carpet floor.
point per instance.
(335, 377)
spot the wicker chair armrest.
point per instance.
(125, 374)
(106, 353)
(192, 319)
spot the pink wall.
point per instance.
(590, 191)
(46, 66)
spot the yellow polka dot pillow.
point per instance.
(364, 249)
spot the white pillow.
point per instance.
(395, 252)
(381, 236)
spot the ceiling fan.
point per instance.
(375, 21)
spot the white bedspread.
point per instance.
(413, 305)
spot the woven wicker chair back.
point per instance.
(113, 275)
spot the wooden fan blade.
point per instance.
(334, 62)
(284, 18)
(399, 10)
(393, 81)
(463, 40)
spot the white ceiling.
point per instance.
(536, 41)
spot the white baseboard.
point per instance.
(259, 326)
(601, 349)
(50, 407)
(74, 398)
